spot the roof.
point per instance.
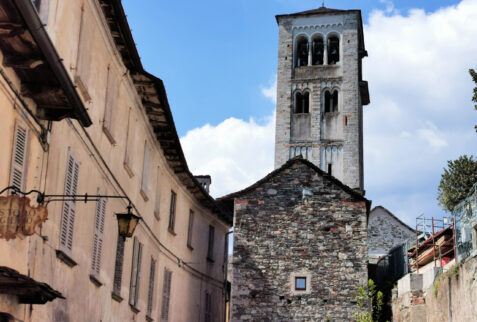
(27, 49)
(394, 216)
(27, 289)
(227, 200)
(153, 95)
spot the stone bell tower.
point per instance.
(320, 91)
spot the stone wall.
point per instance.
(298, 221)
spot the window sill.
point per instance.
(62, 256)
(171, 232)
(134, 309)
(116, 297)
(190, 247)
(128, 169)
(144, 195)
(108, 134)
(95, 280)
(149, 319)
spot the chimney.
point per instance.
(204, 181)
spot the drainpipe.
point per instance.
(226, 262)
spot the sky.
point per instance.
(218, 61)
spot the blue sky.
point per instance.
(218, 60)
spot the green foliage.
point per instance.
(437, 285)
(473, 74)
(454, 270)
(370, 303)
(456, 181)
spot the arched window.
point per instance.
(318, 50)
(302, 52)
(302, 102)
(334, 100)
(327, 102)
(333, 50)
(331, 101)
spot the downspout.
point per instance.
(226, 266)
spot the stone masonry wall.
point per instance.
(279, 233)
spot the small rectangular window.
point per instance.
(190, 229)
(300, 283)
(172, 211)
(210, 249)
(330, 168)
(166, 294)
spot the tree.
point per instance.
(473, 74)
(456, 181)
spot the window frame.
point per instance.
(297, 279)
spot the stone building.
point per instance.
(385, 231)
(300, 246)
(320, 91)
(80, 115)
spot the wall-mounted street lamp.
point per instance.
(127, 223)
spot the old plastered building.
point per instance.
(320, 91)
(300, 246)
(81, 116)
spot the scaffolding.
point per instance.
(435, 241)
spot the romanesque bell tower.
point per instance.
(320, 91)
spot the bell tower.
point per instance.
(320, 91)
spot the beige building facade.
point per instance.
(81, 116)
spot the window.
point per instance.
(145, 172)
(69, 207)
(318, 51)
(19, 161)
(166, 293)
(157, 205)
(135, 273)
(112, 92)
(118, 268)
(330, 169)
(300, 283)
(331, 101)
(98, 237)
(150, 293)
(210, 248)
(208, 307)
(190, 229)
(302, 102)
(302, 52)
(172, 211)
(333, 50)
(128, 153)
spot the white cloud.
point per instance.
(271, 91)
(421, 113)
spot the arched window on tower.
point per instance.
(334, 100)
(301, 52)
(302, 102)
(327, 102)
(318, 50)
(333, 50)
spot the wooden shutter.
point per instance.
(135, 273)
(19, 161)
(98, 235)
(150, 295)
(145, 169)
(112, 92)
(118, 266)
(68, 213)
(210, 252)
(166, 293)
(85, 44)
(157, 206)
(172, 211)
(190, 228)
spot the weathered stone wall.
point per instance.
(385, 231)
(279, 233)
(451, 298)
